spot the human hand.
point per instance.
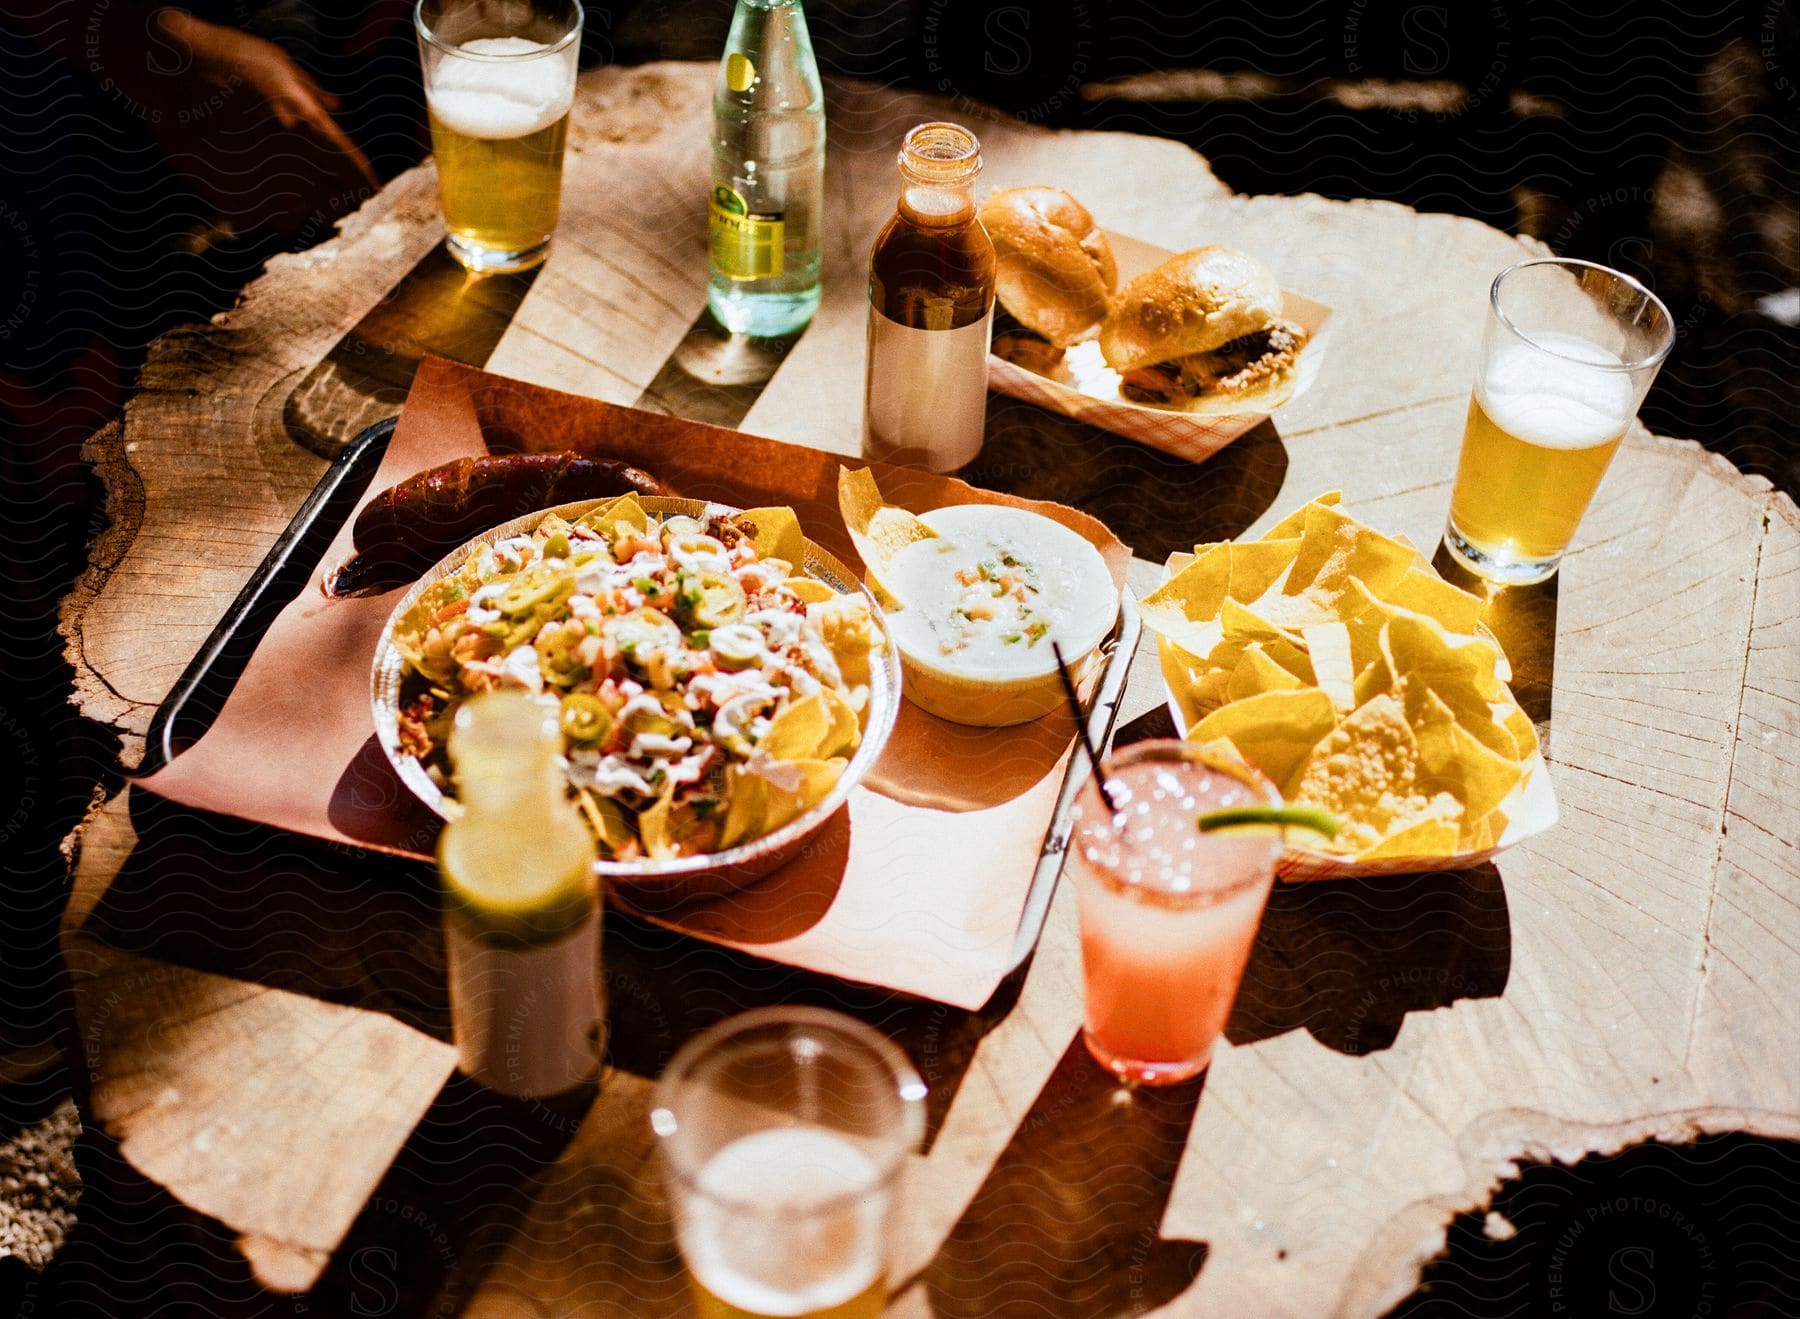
(227, 58)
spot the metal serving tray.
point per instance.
(201, 691)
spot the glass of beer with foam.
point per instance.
(784, 1134)
(1568, 352)
(499, 81)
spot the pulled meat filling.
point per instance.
(1231, 368)
(1027, 348)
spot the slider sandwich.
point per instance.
(1203, 332)
(1053, 274)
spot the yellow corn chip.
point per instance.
(1478, 835)
(1241, 623)
(747, 803)
(1373, 681)
(1257, 672)
(1185, 608)
(798, 730)
(777, 534)
(878, 530)
(1362, 771)
(848, 631)
(1275, 731)
(1335, 546)
(1454, 761)
(1328, 647)
(1422, 591)
(654, 831)
(1256, 565)
(1422, 650)
(1519, 724)
(625, 511)
(1295, 523)
(810, 589)
(1427, 837)
(845, 731)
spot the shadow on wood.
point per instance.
(1523, 620)
(1067, 1221)
(1348, 959)
(714, 375)
(439, 308)
(253, 903)
(449, 1203)
(1156, 503)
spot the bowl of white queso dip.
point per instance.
(981, 604)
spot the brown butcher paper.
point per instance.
(917, 885)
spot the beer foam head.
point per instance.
(813, 1240)
(501, 100)
(1556, 398)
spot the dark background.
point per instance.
(1658, 138)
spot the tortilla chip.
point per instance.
(777, 534)
(810, 589)
(798, 730)
(1275, 731)
(1422, 591)
(1422, 838)
(1421, 649)
(1257, 672)
(1328, 646)
(878, 530)
(1256, 565)
(623, 511)
(1295, 523)
(1454, 761)
(1335, 546)
(845, 732)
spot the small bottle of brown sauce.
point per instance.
(931, 309)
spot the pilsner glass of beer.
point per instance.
(499, 81)
(784, 1133)
(1568, 352)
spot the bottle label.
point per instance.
(926, 399)
(744, 246)
(528, 1021)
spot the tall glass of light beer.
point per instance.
(1568, 351)
(784, 1134)
(499, 81)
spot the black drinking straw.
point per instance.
(1087, 744)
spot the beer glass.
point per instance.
(499, 81)
(784, 1133)
(1567, 354)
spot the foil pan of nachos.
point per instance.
(722, 682)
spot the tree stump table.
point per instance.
(264, 1027)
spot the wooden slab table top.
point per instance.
(264, 1025)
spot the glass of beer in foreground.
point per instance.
(784, 1135)
(499, 81)
(1568, 352)
(1168, 913)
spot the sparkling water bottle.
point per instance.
(768, 172)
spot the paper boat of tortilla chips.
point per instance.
(1086, 388)
(1336, 661)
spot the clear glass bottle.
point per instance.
(768, 173)
(521, 906)
(931, 309)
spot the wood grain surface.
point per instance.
(264, 1025)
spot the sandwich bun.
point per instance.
(1191, 303)
(1054, 270)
